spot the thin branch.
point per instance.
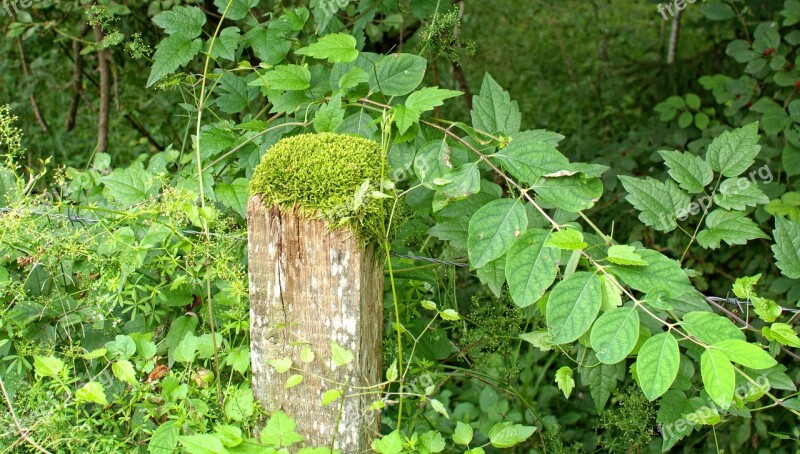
(22, 432)
(76, 83)
(673, 37)
(34, 105)
(105, 92)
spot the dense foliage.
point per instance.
(634, 289)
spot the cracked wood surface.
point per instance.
(309, 286)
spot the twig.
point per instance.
(105, 93)
(77, 79)
(673, 37)
(34, 105)
(22, 432)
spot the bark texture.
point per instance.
(309, 286)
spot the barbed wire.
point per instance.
(76, 219)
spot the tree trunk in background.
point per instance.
(674, 36)
(312, 286)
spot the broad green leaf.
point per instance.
(431, 442)
(230, 436)
(660, 274)
(673, 407)
(787, 247)
(340, 355)
(329, 116)
(743, 287)
(738, 194)
(507, 435)
(570, 193)
(268, 45)
(293, 381)
(239, 360)
(493, 274)
(202, 444)
(400, 74)
(565, 381)
(685, 120)
(733, 152)
(226, 44)
(335, 47)
(92, 392)
(129, 186)
(530, 267)
(463, 181)
(187, 21)
(542, 339)
(352, 78)
(438, 407)
(538, 135)
(165, 438)
(733, 227)
(690, 172)
(172, 53)
(612, 293)
(657, 364)
(766, 309)
(124, 371)
(463, 434)
(405, 118)
(389, 444)
(601, 379)
(710, 328)
(235, 9)
(454, 231)
(330, 396)
(493, 110)
(573, 306)
(286, 77)
(47, 366)
(493, 228)
(625, 255)
(281, 365)
(187, 349)
(567, 239)
(614, 334)
(719, 377)
(427, 98)
(745, 353)
(279, 431)
(781, 333)
(234, 195)
(450, 315)
(240, 404)
(528, 160)
(234, 95)
(659, 203)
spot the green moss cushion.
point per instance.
(319, 176)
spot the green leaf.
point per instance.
(565, 381)
(573, 305)
(463, 434)
(286, 77)
(202, 444)
(172, 53)
(739, 193)
(493, 110)
(493, 228)
(787, 247)
(330, 396)
(124, 371)
(293, 381)
(463, 181)
(625, 255)
(234, 195)
(165, 438)
(781, 333)
(428, 98)
(660, 274)
(601, 379)
(268, 45)
(659, 203)
(431, 442)
(389, 444)
(226, 44)
(231, 436)
(186, 349)
(47, 366)
(352, 78)
(240, 404)
(710, 328)
(733, 152)
(745, 353)
(186, 21)
(657, 364)
(279, 431)
(743, 286)
(335, 47)
(438, 407)
(239, 360)
(685, 120)
(400, 74)
(542, 339)
(507, 435)
(530, 267)
(717, 11)
(129, 186)
(235, 95)
(405, 118)
(719, 377)
(567, 239)
(329, 116)
(615, 334)
(570, 193)
(236, 9)
(766, 309)
(281, 365)
(493, 274)
(450, 315)
(733, 227)
(691, 172)
(527, 159)
(92, 392)
(340, 355)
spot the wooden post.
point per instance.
(310, 286)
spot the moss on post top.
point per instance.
(319, 176)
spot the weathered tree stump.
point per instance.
(311, 285)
